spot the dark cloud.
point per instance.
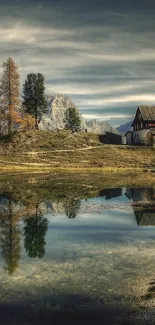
(100, 53)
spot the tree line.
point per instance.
(17, 114)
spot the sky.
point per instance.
(99, 53)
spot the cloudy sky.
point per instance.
(101, 53)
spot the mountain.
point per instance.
(100, 127)
(57, 106)
(125, 127)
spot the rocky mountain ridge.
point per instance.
(124, 128)
(100, 127)
(54, 119)
(57, 106)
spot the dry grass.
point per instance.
(48, 140)
(45, 151)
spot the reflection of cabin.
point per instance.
(140, 194)
(110, 193)
(143, 205)
(144, 126)
(146, 215)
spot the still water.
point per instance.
(78, 254)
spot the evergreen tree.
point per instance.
(34, 234)
(72, 119)
(34, 97)
(10, 95)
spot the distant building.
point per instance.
(114, 138)
(129, 137)
(144, 126)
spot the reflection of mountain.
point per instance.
(143, 205)
(110, 193)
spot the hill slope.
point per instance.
(40, 150)
(48, 140)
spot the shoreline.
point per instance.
(28, 168)
(94, 179)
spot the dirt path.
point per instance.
(63, 150)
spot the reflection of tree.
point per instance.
(72, 207)
(10, 239)
(34, 234)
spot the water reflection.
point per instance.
(110, 193)
(34, 232)
(24, 223)
(143, 205)
(9, 235)
(72, 208)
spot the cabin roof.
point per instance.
(128, 132)
(148, 113)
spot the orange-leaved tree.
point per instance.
(3, 122)
(10, 94)
(27, 122)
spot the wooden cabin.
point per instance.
(144, 126)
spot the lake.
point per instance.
(75, 253)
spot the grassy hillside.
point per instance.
(46, 150)
(48, 140)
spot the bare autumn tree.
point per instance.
(10, 93)
(3, 121)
